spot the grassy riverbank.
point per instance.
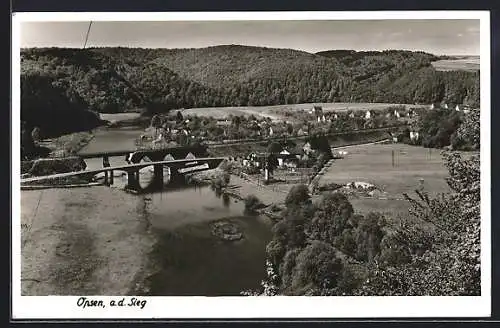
(68, 144)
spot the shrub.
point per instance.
(252, 203)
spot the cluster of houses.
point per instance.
(287, 158)
(320, 116)
(457, 107)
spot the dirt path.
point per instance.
(83, 241)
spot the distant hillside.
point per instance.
(119, 79)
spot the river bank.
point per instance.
(84, 241)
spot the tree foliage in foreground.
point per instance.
(326, 249)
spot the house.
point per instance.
(435, 106)
(396, 113)
(223, 123)
(335, 116)
(445, 106)
(307, 148)
(351, 115)
(256, 159)
(289, 157)
(368, 115)
(414, 135)
(271, 132)
(284, 152)
(318, 111)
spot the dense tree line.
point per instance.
(325, 248)
(446, 127)
(120, 79)
(51, 106)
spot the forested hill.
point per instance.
(118, 79)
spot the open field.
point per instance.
(117, 117)
(461, 64)
(373, 164)
(273, 112)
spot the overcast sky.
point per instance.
(451, 37)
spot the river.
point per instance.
(189, 259)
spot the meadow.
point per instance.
(464, 64)
(373, 164)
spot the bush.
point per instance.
(297, 196)
(252, 203)
(251, 170)
(329, 187)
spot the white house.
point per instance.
(413, 135)
(368, 115)
(271, 132)
(190, 156)
(396, 113)
(323, 118)
(284, 152)
(307, 148)
(445, 106)
(351, 115)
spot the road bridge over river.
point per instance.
(177, 170)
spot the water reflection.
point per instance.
(192, 260)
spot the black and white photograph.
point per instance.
(251, 165)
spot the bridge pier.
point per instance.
(176, 177)
(133, 180)
(158, 176)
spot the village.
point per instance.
(292, 148)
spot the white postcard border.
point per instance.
(65, 307)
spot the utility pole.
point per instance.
(87, 36)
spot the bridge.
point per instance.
(153, 154)
(177, 170)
